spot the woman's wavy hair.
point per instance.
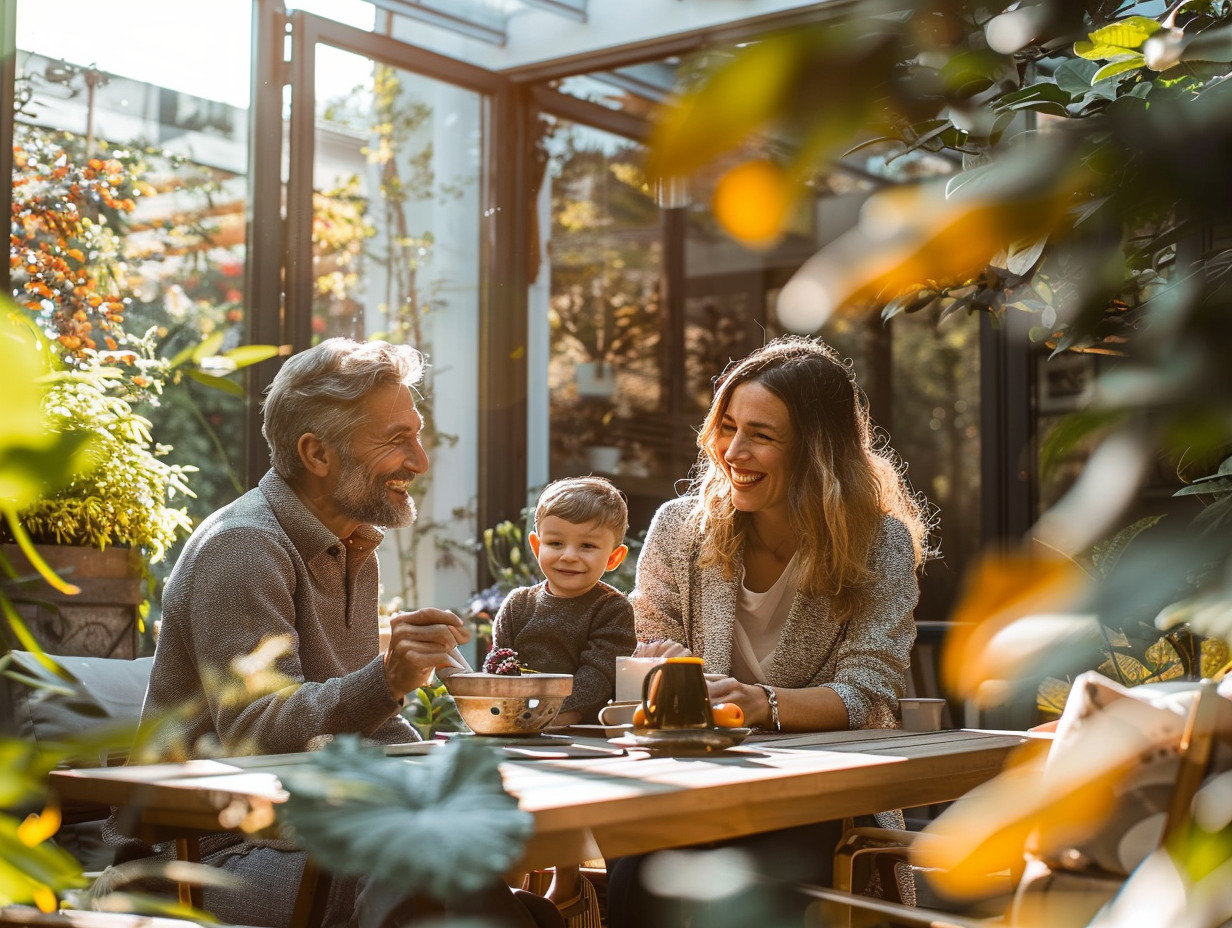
(319, 391)
(843, 481)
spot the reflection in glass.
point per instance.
(604, 307)
(396, 212)
(935, 427)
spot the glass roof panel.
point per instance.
(506, 34)
(491, 13)
(636, 89)
(357, 13)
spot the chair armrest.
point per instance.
(858, 843)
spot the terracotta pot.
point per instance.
(102, 619)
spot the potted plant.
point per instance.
(101, 529)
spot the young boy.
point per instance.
(574, 623)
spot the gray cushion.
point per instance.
(103, 698)
(93, 716)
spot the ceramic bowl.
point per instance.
(493, 704)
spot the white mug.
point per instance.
(630, 671)
(921, 714)
(618, 713)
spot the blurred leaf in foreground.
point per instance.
(442, 827)
(34, 460)
(1013, 611)
(935, 231)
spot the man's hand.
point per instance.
(419, 642)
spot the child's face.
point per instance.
(573, 557)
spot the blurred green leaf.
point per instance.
(1072, 431)
(20, 359)
(26, 869)
(28, 473)
(1216, 517)
(1104, 556)
(442, 826)
(218, 383)
(209, 346)
(247, 355)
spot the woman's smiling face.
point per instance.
(754, 442)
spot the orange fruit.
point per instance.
(727, 715)
(639, 717)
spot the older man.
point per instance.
(290, 568)
(287, 574)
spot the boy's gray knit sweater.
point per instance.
(582, 635)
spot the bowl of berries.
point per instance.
(507, 698)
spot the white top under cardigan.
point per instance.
(760, 618)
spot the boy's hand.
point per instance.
(419, 642)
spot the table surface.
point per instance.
(611, 805)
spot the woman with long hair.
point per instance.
(790, 568)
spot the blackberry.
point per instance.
(502, 661)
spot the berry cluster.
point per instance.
(502, 661)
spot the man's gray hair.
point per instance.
(318, 391)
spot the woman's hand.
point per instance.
(750, 698)
(661, 647)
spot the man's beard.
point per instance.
(366, 499)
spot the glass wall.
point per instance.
(156, 128)
(151, 137)
(602, 267)
(398, 165)
(934, 425)
(130, 195)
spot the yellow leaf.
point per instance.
(36, 828)
(999, 591)
(1119, 65)
(45, 899)
(1130, 32)
(738, 100)
(928, 232)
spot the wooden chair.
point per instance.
(865, 848)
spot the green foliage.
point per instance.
(510, 560)
(431, 709)
(33, 457)
(125, 495)
(31, 871)
(1082, 142)
(443, 826)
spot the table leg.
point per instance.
(309, 909)
(189, 849)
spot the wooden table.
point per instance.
(613, 805)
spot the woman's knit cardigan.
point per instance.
(864, 659)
